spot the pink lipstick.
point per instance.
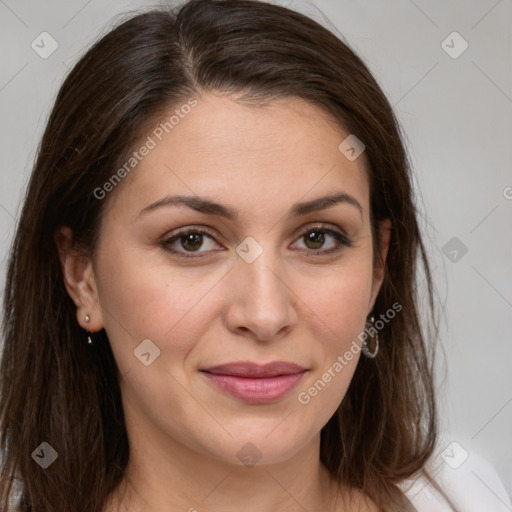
(255, 383)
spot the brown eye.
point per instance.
(187, 241)
(315, 238)
(192, 241)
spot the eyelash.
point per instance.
(341, 239)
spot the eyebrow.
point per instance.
(210, 207)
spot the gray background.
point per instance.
(457, 116)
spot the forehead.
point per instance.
(247, 156)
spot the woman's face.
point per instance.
(235, 289)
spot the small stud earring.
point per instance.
(87, 320)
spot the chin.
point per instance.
(260, 442)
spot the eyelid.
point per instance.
(327, 226)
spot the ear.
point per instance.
(380, 267)
(79, 280)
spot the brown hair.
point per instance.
(55, 389)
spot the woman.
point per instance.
(210, 301)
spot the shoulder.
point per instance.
(469, 481)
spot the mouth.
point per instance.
(255, 383)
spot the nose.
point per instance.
(261, 302)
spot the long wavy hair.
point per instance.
(55, 389)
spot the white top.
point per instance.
(470, 481)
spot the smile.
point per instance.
(255, 383)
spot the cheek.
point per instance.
(141, 300)
(340, 307)
(342, 302)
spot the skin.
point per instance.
(286, 305)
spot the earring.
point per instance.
(364, 348)
(87, 320)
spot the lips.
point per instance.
(255, 383)
(255, 370)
